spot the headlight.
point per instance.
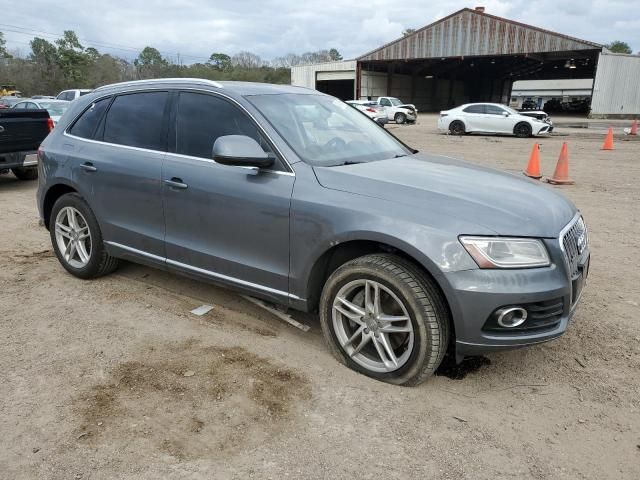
(496, 252)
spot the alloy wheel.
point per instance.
(73, 237)
(372, 325)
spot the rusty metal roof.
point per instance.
(473, 33)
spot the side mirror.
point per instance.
(240, 151)
(505, 114)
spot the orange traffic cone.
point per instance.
(533, 168)
(634, 128)
(561, 175)
(608, 141)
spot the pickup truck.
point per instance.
(397, 111)
(21, 133)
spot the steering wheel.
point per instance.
(336, 143)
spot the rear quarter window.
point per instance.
(85, 126)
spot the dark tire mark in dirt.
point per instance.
(175, 397)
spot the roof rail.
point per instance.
(161, 80)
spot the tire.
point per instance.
(457, 128)
(400, 118)
(422, 309)
(25, 173)
(522, 130)
(97, 261)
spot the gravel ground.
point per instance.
(114, 378)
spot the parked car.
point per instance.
(491, 118)
(43, 97)
(397, 111)
(370, 109)
(292, 196)
(56, 108)
(529, 105)
(8, 101)
(70, 95)
(21, 133)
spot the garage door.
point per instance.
(320, 76)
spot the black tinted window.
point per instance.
(136, 120)
(85, 126)
(474, 109)
(494, 110)
(202, 118)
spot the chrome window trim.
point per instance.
(209, 273)
(291, 172)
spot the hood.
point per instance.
(506, 204)
(410, 106)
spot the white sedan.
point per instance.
(491, 118)
(56, 108)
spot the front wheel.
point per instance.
(400, 118)
(25, 173)
(383, 317)
(77, 239)
(522, 130)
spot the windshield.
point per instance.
(54, 109)
(324, 131)
(395, 102)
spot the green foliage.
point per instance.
(3, 49)
(408, 31)
(335, 55)
(618, 46)
(66, 63)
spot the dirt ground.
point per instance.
(114, 378)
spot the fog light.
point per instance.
(510, 317)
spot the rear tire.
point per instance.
(25, 173)
(522, 130)
(94, 261)
(400, 118)
(457, 128)
(419, 335)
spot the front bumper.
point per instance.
(474, 296)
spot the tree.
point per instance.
(246, 60)
(408, 31)
(335, 55)
(3, 47)
(71, 57)
(618, 46)
(220, 61)
(150, 57)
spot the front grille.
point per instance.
(544, 315)
(573, 242)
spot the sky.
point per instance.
(193, 29)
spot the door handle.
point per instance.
(88, 166)
(176, 182)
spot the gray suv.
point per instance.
(295, 197)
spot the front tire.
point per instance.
(522, 130)
(385, 318)
(25, 173)
(77, 239)
(400, 118)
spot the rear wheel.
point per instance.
(25, 173)
(522, 130)
(77, 239)
(400, 118)
(383, 317)
(457, 128)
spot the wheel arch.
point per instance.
(51, 196)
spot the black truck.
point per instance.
(21, 133)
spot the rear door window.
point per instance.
(137, 120)
(202, 118)
(474, 109)
(86, 125)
